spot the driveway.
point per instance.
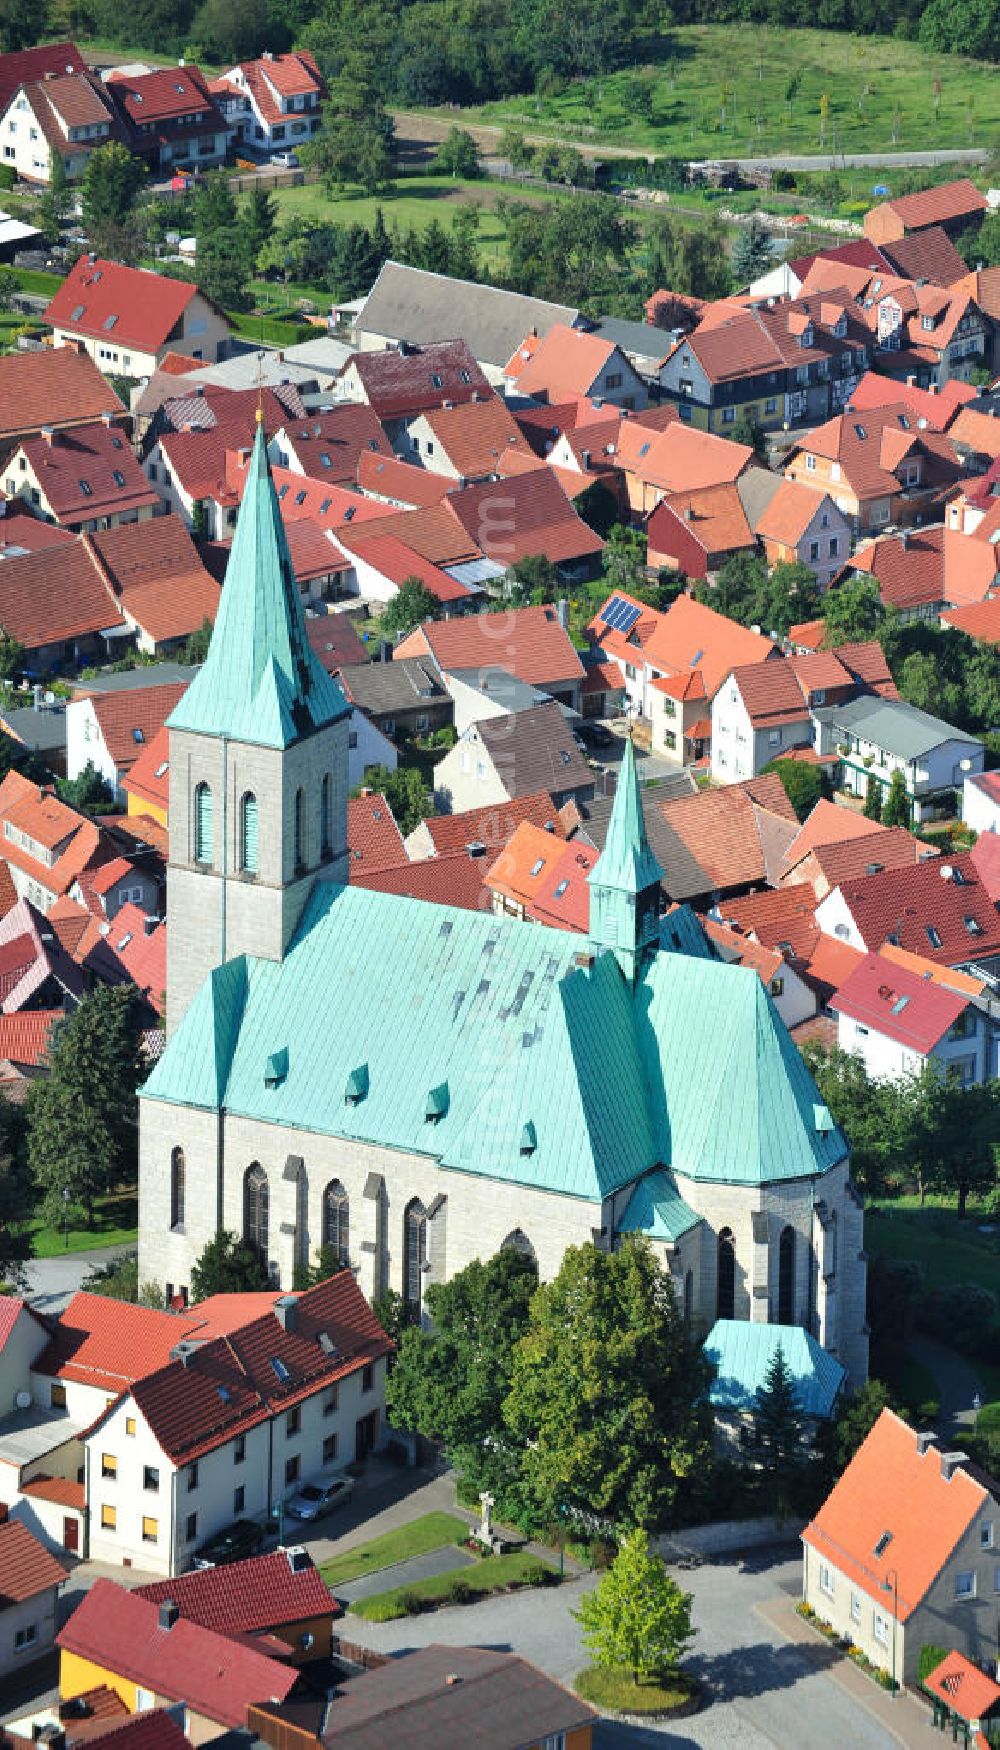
(957, 1381)
(764, 1686)
(52, 1282)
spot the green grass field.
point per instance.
(722, 91)
(432, 1531)
(116, 1223)
(412, 202)
(947, 1250)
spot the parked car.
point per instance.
(287, 160)
(238, 1541)
(596, 734)
(315, 1499)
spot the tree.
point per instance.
(449, 1383)
(83, 1116)
(394, 1314)
(608, 1388)
(405, 792)
(88, 791)
(637, 1618)
(870, 1111)
(226, 246)
(873, 798)
(531, 581)
(231, 33)
(17, 1201)
(196, 648)
(119, 1280)
(354, 143)
(962, 1125)
(108, 192)
(11, 656)
(853, 613)
(22, 23)
(778, 1421)
(227, 1266)
(458, 155)
(412, 604)
(54, 204)
(260, 216)
(748, 430)
(623, 561)
(803, 785)
(856, 1416)
(961, 27)
(896, 807)
(753, 251)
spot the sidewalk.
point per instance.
(905, 1720)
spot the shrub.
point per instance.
(411, 1602)
(460, 1592)
(928, 1657)
(8, 176)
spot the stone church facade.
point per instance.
(417, 1087)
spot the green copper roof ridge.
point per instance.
(627, 861)
(261, 681)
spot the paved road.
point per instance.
(426, 1567)
(763, 1686)
(957, 1382)
(52, 1282)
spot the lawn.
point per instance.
(411, 202)
(433, 1531)
(492, 1574)
(723, 91)
(948, 1250)
(618, 1691)
(116, 1223)
(915, 1387)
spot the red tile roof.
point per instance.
(397, 384)
(965, 1689)
(57, 387)
(213, 1675)
(24, 1039)
(158, 577)
(683, 459)
(689, 637)
(895, 848)
(454, 878)
(493, 826)
(475, 435)
(929, 254)
(245, 1598)
(130, 719)
(713, 517)
(936, 206)
(373, 837)
(926, 910)
(274, 76)
(565, 362)
(546, 876)
(109, 1344)
(54, 595)
(394, 560)
(24, 66)
(938, 406)
(141, 945)
(771, 694)
(146, 306)
(912, 1011)
(401, 483)
(527, 642)
(88, 472)
(872, 446)
(329, 444)
(829, 823)
(522, 516)
(230, 1385)
(61, 1490)
(727, 830)
(11, 1308)
(148, 777)
(50, 823)
(333, 639)
(168, 94)
(26, 1567)
(892, 1489)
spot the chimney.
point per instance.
(285, 1311)
(36, 697)
(689, 513)
(149, 925)
(951, 1462)
(107, 420)
(168, 1613)
(53, 1737)
(925, 1441)
(562, 613)
(904, 539)
(48, 433)
(932, 389)
(4, 1512)
(453, 1680)
(585, 459)
(911, 381)
(183, 1351)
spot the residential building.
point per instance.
(943, 910)
(431, 1111)
(55, 600)
(898, 1022)
(919, 333)
(467, 443)
(954, 206)
(281, 1595)
(367, 746)
(902, 1553)
(402, 698)
(491, 827)
(529, 516)
(38, 972)
(233, 1422)
(672, 665)
(919, 571)
(446, 1696)
(529, 643)
(877, 737)
(797, 526)
(44, 61)
(937, 405)
(83, 479)
(56, 389)
(718, 841)
(476, 693)
(45, 843)
(964, 1698)
(156, 576)
(110, 731)
(843, 855)
(408, 306)
(64, 115)
(879, 467)
(373, 837)
(981, 802)
(169, 117)
(515, 754)
(543, 878)
(273, 104)
(676, 458)
(150, 1655)
(328, 445)
(31, 1581)
(127, 318)
(758, 714)
(568, 362)
(379, 563)
(400, 384)
(696, 532)
(454, 879)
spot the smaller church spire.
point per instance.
(261, 682)
(625, 881)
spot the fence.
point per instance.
(724, 1536)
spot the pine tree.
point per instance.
(896, 808)
(227, 1266)
(778, 1418)
(83, 1116)
(637, 1619)
(753, 251)
(873, 799)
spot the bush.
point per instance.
(460, 1592)
(8, 176)
(928, 1657)
(411, 1601)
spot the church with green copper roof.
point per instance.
(416, 1086)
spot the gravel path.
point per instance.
(426, 1567)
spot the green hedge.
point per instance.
(270, 328)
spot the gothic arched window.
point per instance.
(177, 1187)
(725, 1299)
(255, 1209)
(248, 834)
(786, 1276)
(337, 1221)
(414, 1252)
(204, 825)
(300, 829)
(326, 816)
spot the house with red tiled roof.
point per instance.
(146, 784)
(30, 1579)
(920, 571)
(281, 1595)
(529, 643)
(127, 318)
(54, 388)
(919, 332)
(943, 909)
(84, 479)
(487, 829)
(139, 942)
(62, 115)
(723, 840)
(964, 1696)
(879, 467)
(328, 444)
(758, 714)
(530, 516)
(134, 1645)
(378, 564)
(168, 116)
(672, 665)
(373, 836)
(543, 878)
(677, 458)
(898, 1022)
(104, 891)
(400, 384)
(798, 526)
(110, 731)
(159, 581)
(955, 206)
(466, 443)
(902, 1553)
(273, 103)
(44, 842)
(696, 532)
(937, 405)
(569, 362)
(835, 844)
(455, 878)
(402, 485)
(296, 1393)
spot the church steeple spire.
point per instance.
(261, 682)
(625, 881)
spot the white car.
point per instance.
(315, 1499)
(286, 160)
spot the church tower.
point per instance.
(625, 881)
(258, 764)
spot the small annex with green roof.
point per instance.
(743, 1353)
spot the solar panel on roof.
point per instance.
(619, 615)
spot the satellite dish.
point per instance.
(23, 1400)
(50, 698)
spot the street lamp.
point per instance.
(891, 1584)
(278, 1510)
(65, 1218)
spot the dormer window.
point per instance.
(860, 432)
(806, 337)
(86, 488)
(437, 381)
(118, 477)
